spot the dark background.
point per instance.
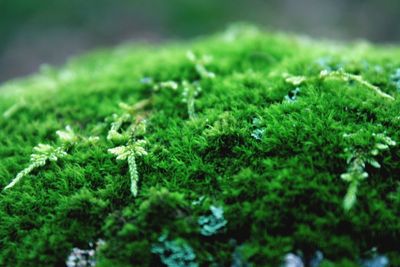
(33, 32)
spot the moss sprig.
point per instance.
(131, 147)
(357, 160)
(190, 89)
(189, 94)
(166, 85)
(345, 76)
(44, 153)
(200, 64)
(294, 80)
(14, 109)
(129, 152)
(114, 132)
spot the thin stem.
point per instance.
(133, 174)
(20, 175)
(347, 76)
(351, 196)
(190, 106)
(360, 80)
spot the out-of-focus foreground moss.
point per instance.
(269, 140)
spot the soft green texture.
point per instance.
(271, 157)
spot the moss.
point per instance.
(272, 165)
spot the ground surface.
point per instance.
(270, 157)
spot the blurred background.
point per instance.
(33, 32)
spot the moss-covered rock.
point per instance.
(251, 146)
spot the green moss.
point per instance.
(272, 165)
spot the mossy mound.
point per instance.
(240, 173)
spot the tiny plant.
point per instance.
(160, 85)
(167, 84)
(345, 76)
(14, 109)
(132, 148)
(191, 89)
(200, 65)
(44, 153)
(357, 159)
(190, 92)
(133, 109)
(114, 134)
(130, 152)
(294, 80)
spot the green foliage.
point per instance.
(340, 74)
(357, 158)
(200, 65)
(14, 109)
(44, 153)
(129, 152)
(132, 148)
(295, 80)
(274, 164)
(190, 91)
